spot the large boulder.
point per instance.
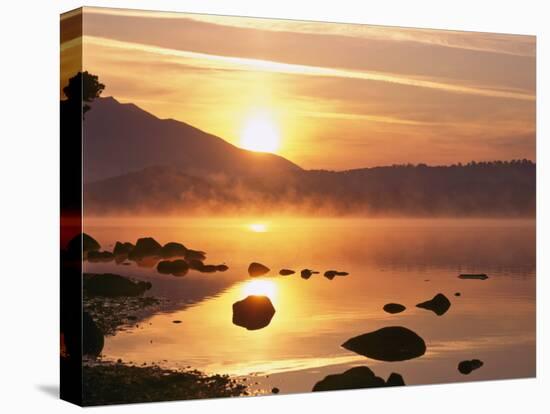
(173, 249)
(439, 304)
(111, 285)
(177, 267)
(253, 312)
(394, 343)
(394, 308)
(92, 336)
(123, 249)
(146, 246)
(465, 367)
(257, 269)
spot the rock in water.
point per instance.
(173, 267)
(394, 343)
(111, 285)
(173, 249)
(395, 380)
(146, 246)
(208, 268)
(195, 255)
(473, 276)
(195, 264)
(394, 308)
(357, 377)
(307, 273)
(84, 241)
(286, 272)
(465, 367)
(439, 304)
(257, 269)
(275, 390)
(222, 268)
(92, 336)
(331, 274)
(97, 256)
(253, 312)
(123, 249)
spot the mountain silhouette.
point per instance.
(122, 138)
(135, 162)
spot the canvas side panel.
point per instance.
(71, 208)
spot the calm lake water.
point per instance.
(389, 260)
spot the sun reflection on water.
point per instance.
(262, 287)
(258, 227)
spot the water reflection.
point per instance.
(388, 261)
(258, 227)
(260, 287)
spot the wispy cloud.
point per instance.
(517, 45)
(230, 62)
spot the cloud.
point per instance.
(205, 60)
(518, 45)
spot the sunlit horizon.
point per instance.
(461, 96)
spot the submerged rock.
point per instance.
(111, 285)
(173, 267)
(146, 246)
(92, 337)
(394, 308)
(394, 343)
(474, 276)
(354, 378)
(123, 249)
(331, 274)
(307, 273)
(173, 249)
(439, 304)
(257, 269)
(286, 272)
(465, 367)
(96, 256)
(253, 312)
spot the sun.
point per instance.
(260, 133)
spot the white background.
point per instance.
(29, 192)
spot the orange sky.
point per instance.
(341, 96)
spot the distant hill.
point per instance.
(484, 189)
(122, 138)
(135, 162)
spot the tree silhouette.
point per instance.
(83, 87)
